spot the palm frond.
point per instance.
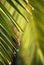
(13, 23)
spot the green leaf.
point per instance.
(31, 41)
(12, 4)
(11, 18)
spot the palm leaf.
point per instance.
(12, 4)
(31, 50)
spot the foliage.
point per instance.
(22, 32)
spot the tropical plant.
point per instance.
(21, 32)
